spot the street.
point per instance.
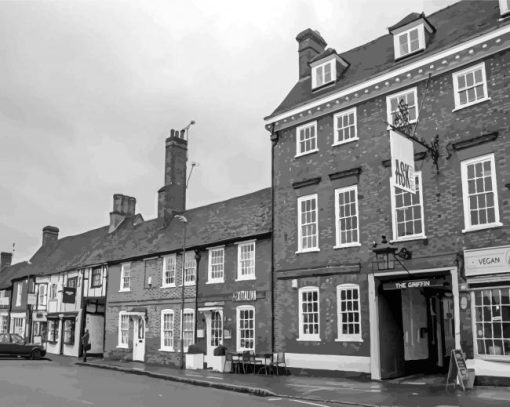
(59, 382)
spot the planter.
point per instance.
(194, 360)
(217, 363)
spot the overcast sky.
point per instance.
(90, 89)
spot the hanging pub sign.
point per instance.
(69, 295)
(402, 162)
(250, 295)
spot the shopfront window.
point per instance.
(53, 330)
(69, 331)
(492, 320)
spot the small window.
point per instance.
(216, 265)
(409, 42)
(53, 291)
(407, 213)
(470, 86)
(345, 126)
(19, 289)
(18, 326)
(309, 314)
(349, 315)
(53, 330)
(190, 268)
(42, 295)
(323, 74)
(216, 337)
(123, 330)
(125, 277)
(96, 278)
(72, 282)
(308, 230)
(245, 328)
(169, 269)
(167, 330)
(188, 328)
(306, 139)
(410, 98)
(246, 261)
(347, 221)
(479, 192)
(69, 325)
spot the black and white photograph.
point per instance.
(271, 203)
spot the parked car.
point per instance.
(15, 345)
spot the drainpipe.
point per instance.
(83, 313)
(197, 258)
(274, 141)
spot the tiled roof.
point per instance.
(406, 20)
(324, 54)
(236, 218)
(454, 24)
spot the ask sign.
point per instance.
(402, 162)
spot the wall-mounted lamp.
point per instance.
(386, 253)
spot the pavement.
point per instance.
(414, 391)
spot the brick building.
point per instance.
(152, 313)
(335, 310)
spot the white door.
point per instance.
(138, 338)
(214, 322)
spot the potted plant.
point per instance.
(194, 357)
(218, 359)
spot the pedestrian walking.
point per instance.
(85, 344)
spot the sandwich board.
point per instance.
(457, 369)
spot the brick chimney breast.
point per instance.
(49, 234)
(5, 259)
(123, 207)
(310, 45)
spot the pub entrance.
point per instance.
(416, 322)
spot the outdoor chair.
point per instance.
(234, 363)
(280, 361)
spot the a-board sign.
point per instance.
(457, 368)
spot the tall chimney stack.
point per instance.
(311, 44)
(5, 259)
(172, 196)
(123, 207)
(49, 235)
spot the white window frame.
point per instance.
(210, 279)
(4, 322)
(347, 337)
(398, 96)
(303, 127)
(120, 343)
(338, 191)
(417, 236)
(238, 328)
(125, 267)
(407, 33)
(300, 226)
(164, 347)
(308, 336)
(322, 68)
(465, 197)
(53, 291)
(190, 263)
(169, 261)
(19, 289)
(42, 295)
(251, 275)
(341, 115)
(192, 312)
(504, 6)
(455, 78)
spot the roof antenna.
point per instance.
(193, 165)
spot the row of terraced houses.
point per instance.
(293, 268)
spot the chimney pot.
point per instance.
(5, 259)
(49, 234)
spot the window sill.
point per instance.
(306, 153)
(312, 339)
(251, 278)
(166, 350)
(122, 347)
(344, 246)
(457, 108)
(408, 238)
(215, 282)
(410, 122)
(341, 143)
(96, 286)
(483, 227)
(308, 251)
(188, 284)
(358, 340)
(125, 290)
(168, 286)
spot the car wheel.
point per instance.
(36, 354)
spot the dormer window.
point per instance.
(410, 35)
(323, 74)
(409, 42)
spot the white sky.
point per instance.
(90, 89)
